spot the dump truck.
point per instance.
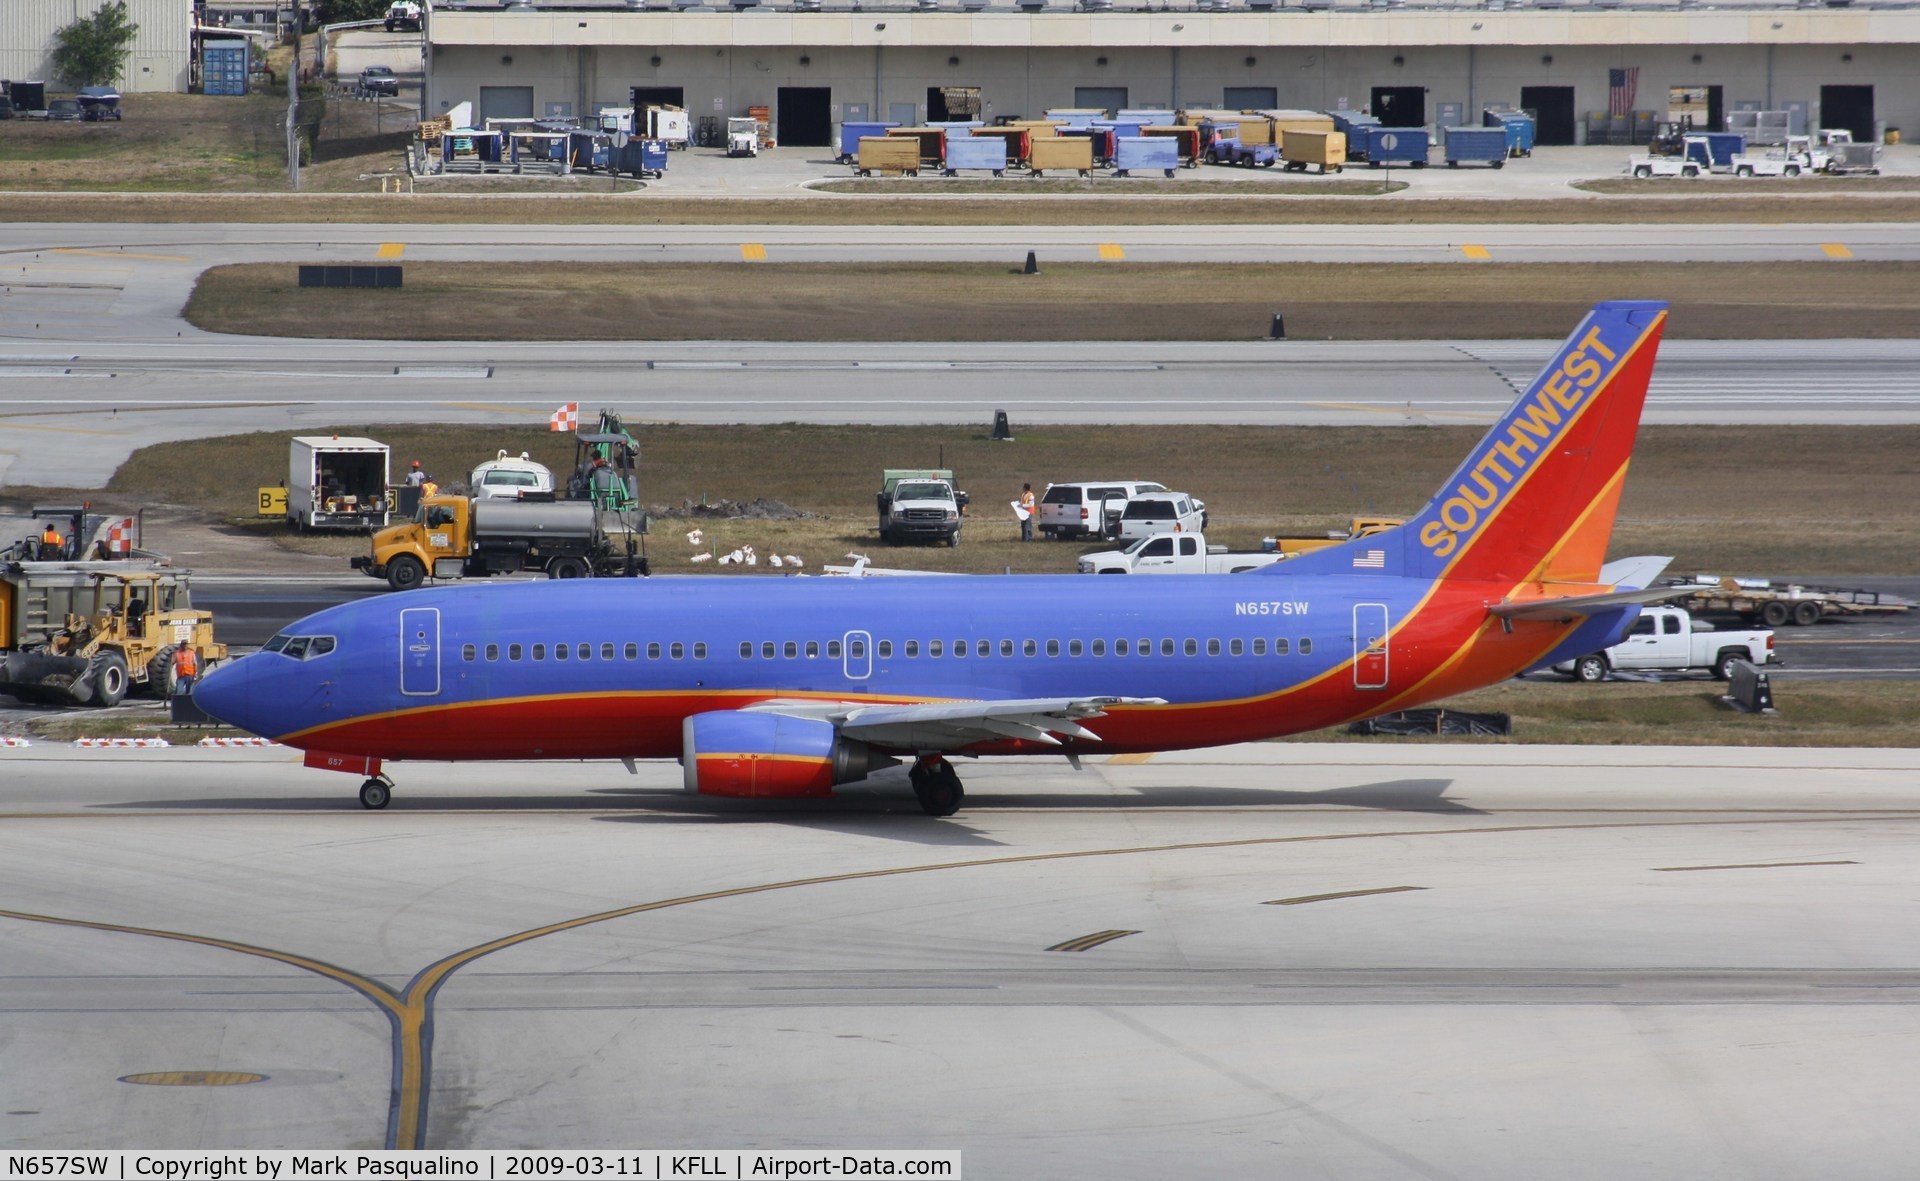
(458, 537)
(337, 482)
(90, 633)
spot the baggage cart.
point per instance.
(1017, 140)
(1327, 150)
(1395, 145)
(988, 152)
(931, 141)
(1076, 116)
(1145, 152)
(1188, 139)
(638, 157)
(1060, 154)
(1101, 138)
(1518, 125)
(888, 154)
(1476, 145)
(852, 133)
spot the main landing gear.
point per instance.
(936, 785)
(375, 792)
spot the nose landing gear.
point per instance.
(936, 785)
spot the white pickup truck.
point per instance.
(1174, 553)
(1669, 639)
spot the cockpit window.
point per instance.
(299, 647)
(276, 643)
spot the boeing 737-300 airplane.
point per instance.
(783, 687)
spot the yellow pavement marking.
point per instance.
(1472, 251)
(390, 250)
(1750, 865)
(1130, 760)
(194, 1078)
(753, 252)
(1835, 250)
(1111, 252)
(120, 254)
(1342, 894)
(1089, 942)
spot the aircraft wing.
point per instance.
(946, 725)
(1578, 606)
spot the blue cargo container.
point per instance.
(957, 129)
(988, 151)
(1145, 117)
(223, 67)
(1394, 145)
(590, 150)
(1476, 145)
(1102, 138)
(1075, 117)
(850, 134)
(1143, 152)
(1518, 125)
(1715, 150)
(1353, 125)
(639, 157)
(1122, 128)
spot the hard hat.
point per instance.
(416, 463)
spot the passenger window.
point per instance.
(1006, 647)
(1191, 647)
(1280, 647)
(1073, 648)
(467, 652)
(699, 651)
(1306, 646)
(813, 649)
(790, 650)
(1159, 547)
(883, 649)
(539, 651)
(746, 649)
(935, 648)
(631, 652)
(606, 651)
(1099, 647)
(1166, 647)
(1029, 648)
(983, 648)
(913, 649)
(1213, 647)
(513, 651)
(493, 651)
(857, 649)
(1119, 648)
(833, 649)
(679, 651)
(1236, 648)
(584, 651)
(653, 651)
(1144, 648)
(1259, 646)
(1053, 647)
(766, 649)
(560, 652)
(959, 647)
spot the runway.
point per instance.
(1274, 960)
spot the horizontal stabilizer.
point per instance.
(1580, 606)
(1631, 572)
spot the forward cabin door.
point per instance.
(857, 658)
(1369, 645)
(420, 651)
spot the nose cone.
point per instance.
(224, 694)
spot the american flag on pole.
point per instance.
(1621, 85)
(1370, 559)
(566, 418)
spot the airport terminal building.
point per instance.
(819, 62)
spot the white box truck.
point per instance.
(338, 482)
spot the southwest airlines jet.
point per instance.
(785, 687)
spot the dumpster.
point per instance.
(1517, 124)
(1187, 137)
(1061, 154)
(888, 153)
(931, 140)
(988, 151)
(1145, 152)
(1016, 139)
(852, 133)
(1394, 145)
(1325, 149)
(638, 157)
(1476, 145)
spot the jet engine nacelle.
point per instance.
(736, 753)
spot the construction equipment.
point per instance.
(604, 463)
(73, 633)
(455, 537)
(84, 536)
(1358, 527)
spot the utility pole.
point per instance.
(293, 117)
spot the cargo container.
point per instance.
(1017, 140)
(1100, 137)
(932, 142)
(1187, 137)
(1518, 126)
(1350, 123)
(989, 152)
(888, 153)
(852, 133)
(1037, 128)
(1476, 145)
(1145, 116)
(667, 124)
(1076, 116)
(638, 157)
(1146, 152)
(1326, 149)
(1285, 121)
(957, 129)
(1395, 145)
(1060, 154)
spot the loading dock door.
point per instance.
(804, 116)
(1850, 107)
(1552, 108)
(1250, 98)
(1105, 98)
(506, 102)
(1400, 106)
(658, 96)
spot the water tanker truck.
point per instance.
(456, 537)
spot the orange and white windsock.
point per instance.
(120, 537)
(567, 418)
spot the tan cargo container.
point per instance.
(1285, 121)
(1060, 155)
(1039, 128)
(885, 153)
(932, 141)
(1328, 149)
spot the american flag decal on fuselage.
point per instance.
(1370, 559)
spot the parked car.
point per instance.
(1188, 553)
(98, 103)
(1670, 639)
(1088, 509)
(506, 478)
(1162, 512)
(379, 80)
(64, 110)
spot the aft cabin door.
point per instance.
(420, 651)
(1369, 645)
